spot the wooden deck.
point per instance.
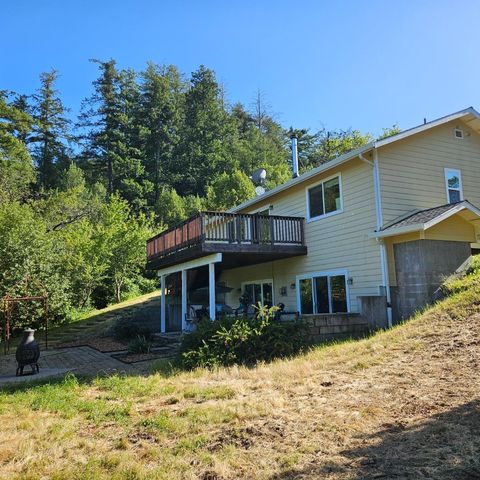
(243, 238)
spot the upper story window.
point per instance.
(453, 184)
(325, 198)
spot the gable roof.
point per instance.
(425, 219)
(469, 115)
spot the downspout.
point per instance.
(378, 214)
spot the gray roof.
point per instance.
(425, 219)
(422, 216)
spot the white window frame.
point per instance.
(457, 172)
(321, 182)
(461, 133)
(327, 273)
(261, 282)
(262, 209)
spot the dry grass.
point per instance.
(402, 404)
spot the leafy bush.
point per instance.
(242, 340)
(126, 329)
(140, 345)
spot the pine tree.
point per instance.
(50, 131)
(112, 148)
(206, 132)
(99, 119)
(16, 169)
(161, 116)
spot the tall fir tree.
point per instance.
(206, 131)
(48, 141)
(161, 117)
(111, 134)
(16, 169)
(100, 125)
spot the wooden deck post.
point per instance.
(163, 319)
(211, 290)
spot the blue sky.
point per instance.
(340, 64)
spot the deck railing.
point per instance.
(228, 228)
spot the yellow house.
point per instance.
(369, 234)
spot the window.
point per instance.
(323, 293)
(324, 199)
(258, 291)
(458, 133)
(453, 184)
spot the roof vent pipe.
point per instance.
(294, 156)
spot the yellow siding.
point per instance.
(412, 170)
(455, 229)
(337, 242)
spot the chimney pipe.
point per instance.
(294, 155)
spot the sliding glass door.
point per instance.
(323, 293)
(260, 291)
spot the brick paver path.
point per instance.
(79, 360)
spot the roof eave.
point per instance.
(427, 126)
(418, 227)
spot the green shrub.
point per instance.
(242, 340)
(139, 345)
(126, 329)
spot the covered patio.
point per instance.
(210, 243)
(207, 263)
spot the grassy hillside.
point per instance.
(402, 404)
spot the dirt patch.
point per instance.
(246, 437)
(137, 437)
(209, 475)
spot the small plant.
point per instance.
(140, 345)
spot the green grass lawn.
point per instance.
(404, 403)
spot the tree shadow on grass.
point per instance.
(445, 446)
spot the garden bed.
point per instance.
(155, 354)
(102, 344)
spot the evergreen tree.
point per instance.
(50, 131)
(161, 116)
(206, 131)
(99, 119)
(16, 169)
(111, 136)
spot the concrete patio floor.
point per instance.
(82, 361)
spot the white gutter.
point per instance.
(366, 160)
(383, 248)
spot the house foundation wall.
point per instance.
(336, 326)
(421, 266)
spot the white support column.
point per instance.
(163, 318)
(184, 300)
(211, 289)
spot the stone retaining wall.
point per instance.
(336, 326)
